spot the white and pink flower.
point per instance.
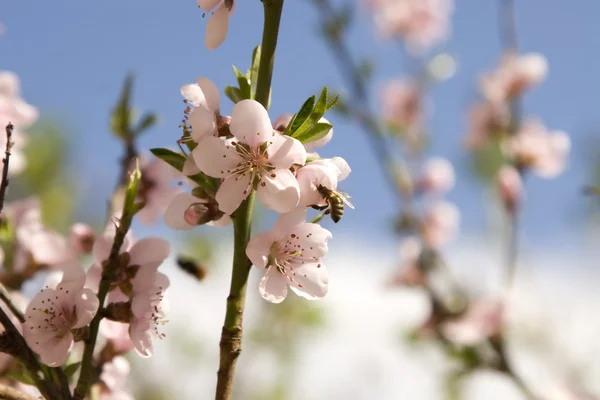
(325, 172)
(440, 224)
(54, 313)
(205, 97)
(155, 190)
(218, 23)
(437, 176)
(510, 186)
(291, 255)
(282, 122)
(402, 104)
(114, 378)
(256, 156)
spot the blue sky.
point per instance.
(72, 57)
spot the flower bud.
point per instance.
(197, 214)
(82, 238)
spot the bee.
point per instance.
(192, 267)
(335, 202)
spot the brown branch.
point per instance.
(8, 393)
(4, 296)
(5, 160)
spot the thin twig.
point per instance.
(4, 296)
(5, 161)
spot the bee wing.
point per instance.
(345, 198)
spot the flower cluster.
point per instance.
(420, 23)
(243, 153)
(15, 110)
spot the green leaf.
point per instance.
(253, 71)
(147, 122)
(234, 94)
(316, 132)
(316, 114)
(301, 116)
(333, 102)
(121, 115)
(208, 184)
(172, 158)
(129, 206)
(244, 83)
(70, 369)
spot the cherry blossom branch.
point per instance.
(108, 276)
(359, 104)
(4, 185)
(231, 336)
(11, 306)
(8, 393)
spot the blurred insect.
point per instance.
(335, 200)
(192, 267)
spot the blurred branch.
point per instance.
(5, 160)
(358, 103)
(6, 299)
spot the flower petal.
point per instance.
(311, 281)
(250, 123)
(211, 93)
(194, 94)
(282, 122)
(86, 306)
(101, 249)
(321, 142)
(273, 286)
(217, 27)
(279, 191)
(232, 192)
(56, 352)
(259, 247)
(203, 123)
(215, 157)
(284, 151)
(141, 336)
(310, 177)
(208, 5)
(189, 167)
(313, 239)
(149, 251)
(342, 166)
(174, 213)
(286, 222)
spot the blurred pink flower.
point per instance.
(420, 23)
(515, 74)
(485, 121)
(53, 313)
(186, 211)
(437, 176)
(326, 172)
(205, 97)
(155, 189)
(409, 273)
(440, 224)
(482, 320)
(291, 253)
(82, 238)
(402, 105)
(218, 23)
(114, 378)
(259, 156)
(148, 307)
(543, 151)
(510, 186)
(117, 333)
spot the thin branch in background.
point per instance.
(5, 161)
(359, 105)
(4, 296)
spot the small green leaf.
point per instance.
(244, 83)
(208, 184)
(253, 71)
(121, 115)
(316, 114)
(234, 94)
(147, 122)
(129, 206)
(316, 132)
(333, 102)
(172, 158)
(70, 369)
(321, 105)
(301, 116)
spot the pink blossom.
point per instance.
(117, 333)
(437, 176)
(421, 23)
(401, 103)
(155, 189)
(515, 74)
(440, 224)
(510, 186)
(485, 121)
(82, 238)
(258, 157)
(291, 254)
(134, 260)
(324, 172)
(205, 97)
(482, 320)
(148, 307)
(545, 152)
(54, 313)
(114, 378)
(218, 23)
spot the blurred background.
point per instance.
(72, 57)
